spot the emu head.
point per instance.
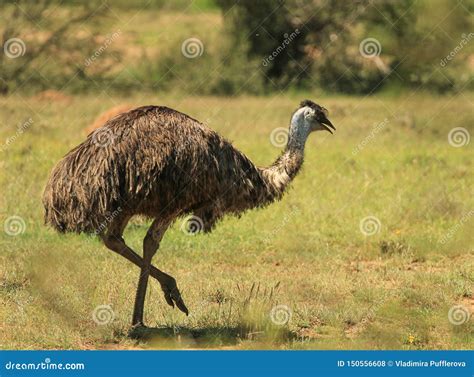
(315, 116)
(309, 117)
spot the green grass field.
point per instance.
(304, 257)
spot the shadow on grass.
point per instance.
(208, 337)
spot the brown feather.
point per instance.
(157, 162)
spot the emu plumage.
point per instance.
(162, 164)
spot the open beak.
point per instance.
(328, 125)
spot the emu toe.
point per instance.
(173, 297)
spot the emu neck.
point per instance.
(286, 167)
(283, 170)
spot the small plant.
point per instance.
(392, 247)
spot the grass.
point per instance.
(305, 256)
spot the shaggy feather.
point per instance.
(158, 162)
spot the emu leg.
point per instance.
(148, 253)
(168, 284)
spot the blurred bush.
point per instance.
(45, 46)
(228, 71)
(249, 46)
(410, 37)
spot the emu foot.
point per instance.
(139, 331)
(173, 297)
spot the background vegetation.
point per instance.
(413, 37)
(391, 158)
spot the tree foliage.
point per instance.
(410, 38)
(47, 44)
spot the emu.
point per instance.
(162, 164)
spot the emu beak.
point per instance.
(327, 125)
